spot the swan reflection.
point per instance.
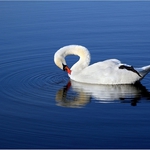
(76, 94)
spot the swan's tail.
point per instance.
(144, 70)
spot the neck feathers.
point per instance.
(80, 51)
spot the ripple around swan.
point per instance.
(28, 79)
(36, 84)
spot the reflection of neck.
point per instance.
(64, 98)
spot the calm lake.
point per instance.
(37, 110)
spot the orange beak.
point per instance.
(67, 69)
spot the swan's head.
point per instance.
(60, 62)
(81, 51)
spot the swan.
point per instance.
(110, 71)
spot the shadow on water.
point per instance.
(78, 95)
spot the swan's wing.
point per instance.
(114, 64)
(103, 69)
(112, 61)
(104, 65)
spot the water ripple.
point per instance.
(30, 80)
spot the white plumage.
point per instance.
(110, 71)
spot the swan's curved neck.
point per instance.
(80, 51)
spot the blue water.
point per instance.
(37, 110)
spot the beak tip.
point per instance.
(69, 71)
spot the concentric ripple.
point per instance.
(26, 82)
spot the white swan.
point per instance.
(110, 71)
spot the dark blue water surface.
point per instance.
(37, 109)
